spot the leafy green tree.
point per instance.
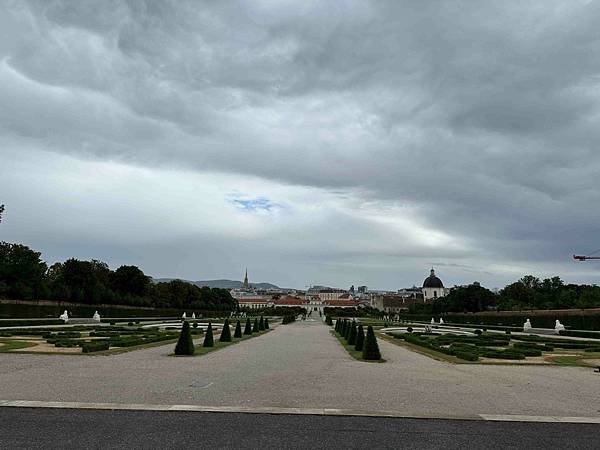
(22, 272)
(371, 348)
(208, 338)
(226, 332)
(360, 338)
(248, 329)
(130, 280)
(185, 344)
(238, 330)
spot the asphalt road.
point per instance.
(68, 428)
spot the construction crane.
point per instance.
(584, 258)
(588, 256)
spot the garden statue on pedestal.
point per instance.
(64, 316)
(441, 321)
(527, 325)
(193, 315)
(432, 321)
(183, 316)
(558, 327)
(96, 317)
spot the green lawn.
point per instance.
(350, 349)
(13, 344)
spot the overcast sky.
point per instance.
(337, 143)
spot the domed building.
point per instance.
(433, 287)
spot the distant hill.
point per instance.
(223, 284)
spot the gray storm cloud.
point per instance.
(482, 116)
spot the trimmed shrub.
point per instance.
(409, 329)
(347, 333)
(328, 320)
(255, 328)
(129, 324)
(195, 325)
(360, 338)
(238, 330)
(94, 346)
(225, 332)
(466, 356)
(248, 328)
(261, 324)
(266, 323)
(478, 332)
(352, 334)
(185, 344)
(371, 349)
(208, 339)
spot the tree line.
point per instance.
(25, 276)
(527, 293)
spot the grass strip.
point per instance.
(350, 349)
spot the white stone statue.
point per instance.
(96, 317)
(527, 325)
(193, 315)
(558, 327)
(441, 321)
(64, 316)
(183, 316)
(432, 321)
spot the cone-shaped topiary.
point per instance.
(360, 338)
(343, 327)
(352, 335)
(261, 324)
(255, 327)
(238, 330)
(185, 344)
(328, 320)
(248, 328)
(348, 329)
(225, 332)
(208, 339)
(371, 349)
(266, 323)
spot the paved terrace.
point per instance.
(301, 365)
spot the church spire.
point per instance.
(246, 280)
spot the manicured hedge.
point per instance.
(95, 346)
(583, 334)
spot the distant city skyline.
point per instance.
(332, 143)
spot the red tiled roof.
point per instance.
(289, 300)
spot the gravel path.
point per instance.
(302, 365)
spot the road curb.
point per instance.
(293, 411)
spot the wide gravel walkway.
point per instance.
(302, 365)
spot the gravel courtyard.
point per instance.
(302, 365)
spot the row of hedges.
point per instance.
(185, 344)
(576, 322)
(583, 334)
(355, 336)
(462, 352)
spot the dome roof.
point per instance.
(432, 281)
